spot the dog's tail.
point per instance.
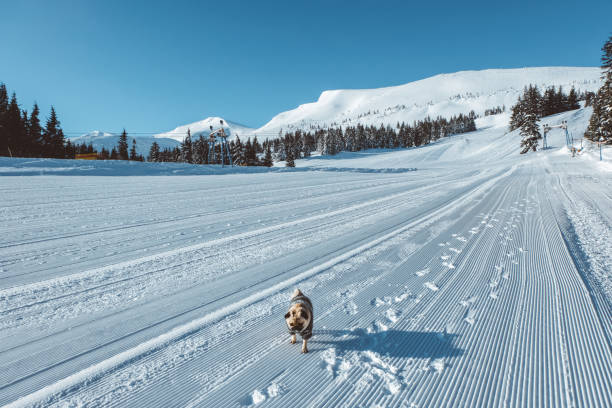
(297, 293)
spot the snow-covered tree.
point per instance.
(530, 130)
(290, 162)
(600, 124)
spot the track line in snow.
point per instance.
(147, 347)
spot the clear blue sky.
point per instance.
(149, 66)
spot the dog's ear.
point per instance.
(304, 314)
(287, 315)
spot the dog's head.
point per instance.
(298, 317)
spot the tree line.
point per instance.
(552, 101)
(532, 106)
(299, 144)
(22, 135)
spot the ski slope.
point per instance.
(483, 278)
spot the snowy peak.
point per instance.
(443, 95)
(94, 134)
(202, 128)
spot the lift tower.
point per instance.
(568, 140)
(219, 137)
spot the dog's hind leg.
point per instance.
(305, 346)
(293, 339)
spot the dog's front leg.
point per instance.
(293, 339)
(305, 346)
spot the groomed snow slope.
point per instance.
(481, 279)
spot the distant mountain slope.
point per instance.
(444, 95)
(106, 140)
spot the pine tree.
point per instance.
(529, 128)
(187, 148)
(70, 150)
(290, 161)
(200, 151)
(154, 153)
(35, 132)
(572, 100)
(238, 152)
(122, 147)
(548, 102)
(104, 154)
(133, 154)
(4, 103)
(28, 142)
(13, 126)
(267, 161)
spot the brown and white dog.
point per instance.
(299, 318)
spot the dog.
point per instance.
(299, 318)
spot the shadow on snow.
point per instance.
(391, 343)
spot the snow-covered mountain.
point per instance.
(441, 95)
(202, 127)
(444, 95)
(99, 140)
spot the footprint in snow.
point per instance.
(438, 365)
(350, 308)
(393, 315)
(402, 297)
(431, 286)
(381, 301)
(493, 294)
(260, 395)
(467, 302)
(422, 272)
(377, 326)
(470, 316)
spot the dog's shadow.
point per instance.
(392, 343)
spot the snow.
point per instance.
(482, 278)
